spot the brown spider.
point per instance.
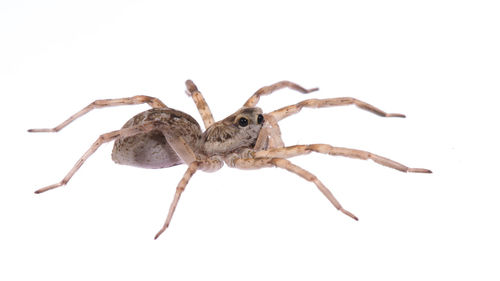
(247, 139)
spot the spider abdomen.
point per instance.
(151, 150)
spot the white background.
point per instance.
(435, 61)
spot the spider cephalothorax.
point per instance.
(247, 139)
(238, 130)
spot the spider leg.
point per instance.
(201, 104)
(266, 90)
(192, 168)
(107, 137)
(318, 103)
(296, 150)
(257, 163)
(153, 102)
(207, 165)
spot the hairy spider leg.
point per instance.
(267, 90)
(257, 163)
(192, 168)
(107, 137)
(296, 150)
(318, 103)
(201, 104)
(153, 102)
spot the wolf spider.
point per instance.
(162, 137)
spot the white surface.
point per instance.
(435, 61)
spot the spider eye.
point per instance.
(260, 119)
(243, 122)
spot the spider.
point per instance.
(163, 137)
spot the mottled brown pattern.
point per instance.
(151, 150)
(226, 136)
(247, 139)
